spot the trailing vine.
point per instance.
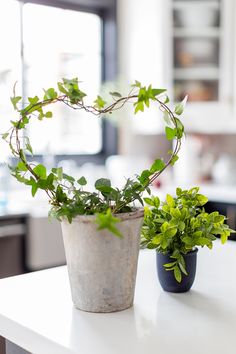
(66, 194)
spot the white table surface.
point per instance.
(37, 314)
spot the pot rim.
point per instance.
(136, 214)
(195, 250)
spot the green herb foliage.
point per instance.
(179, 225)
(67, 194)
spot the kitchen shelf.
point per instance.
(179, 5)
(207, 32)
(208, 73)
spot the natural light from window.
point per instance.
(69, 46)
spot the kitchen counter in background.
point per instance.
(214, 192)
(34, 242)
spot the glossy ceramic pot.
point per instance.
(167, 278)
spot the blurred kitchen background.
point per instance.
(186, 46)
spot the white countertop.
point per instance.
(37, 314)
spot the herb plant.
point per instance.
(67, 194)
(179, 225)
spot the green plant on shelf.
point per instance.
(180, 224)
(67, 195)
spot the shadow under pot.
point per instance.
(167, 278)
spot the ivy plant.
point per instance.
(68, 195)
(179, 224)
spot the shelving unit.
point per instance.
(196, 49)
(200, 62)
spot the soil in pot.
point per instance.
(167, 278)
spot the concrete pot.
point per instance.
(102, 267)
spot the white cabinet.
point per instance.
(201, 48)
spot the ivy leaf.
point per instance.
(170, 133)
(108, 221)
(33, 100)
(99, 102)
(34, 186)
(48, 114)
(15, 100)
(144, 178)
(21, 166)
(139, 107)
(102, 182)
(179, 108)
(174, 160)
(115, 94)
(82, 181)
(157, 92)
(50, 94)
(157, 165)
(5, 136)
(40, 171)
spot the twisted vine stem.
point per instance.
(73, 97)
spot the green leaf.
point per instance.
(181, 226)
(115, 94)
(157, 92)
(68, 178)
(167, 118)
(170, 200)
(157, 165)
(50, 94)
(34, 186)
(15, 100)
(170, 133)
(33, 100)
(40, 171)
(171, 232)
(174, 160)
(108, 221)
(139, 107)
(202, 199)
(179, 108)
(154, 201)
(99, 102)
(170, 265)
(156, 239)
(82, 181)
(5, 136)
(136, 84)
(28, 146)
(21, 166)
(188, 241)
(175, 212)
(102, 182)
(182, 268)
(144, 178)
(48, 114)
(177, 274)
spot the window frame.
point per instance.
(106, 9)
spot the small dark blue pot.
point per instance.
(167, 278)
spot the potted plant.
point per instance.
(102, 268)
(175, 229)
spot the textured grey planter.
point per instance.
(102, 267)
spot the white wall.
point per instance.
(141, 56)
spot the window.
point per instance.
(72, 45)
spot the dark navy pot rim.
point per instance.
(186, 254)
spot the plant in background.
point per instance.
(67, 194)
(179, 225)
